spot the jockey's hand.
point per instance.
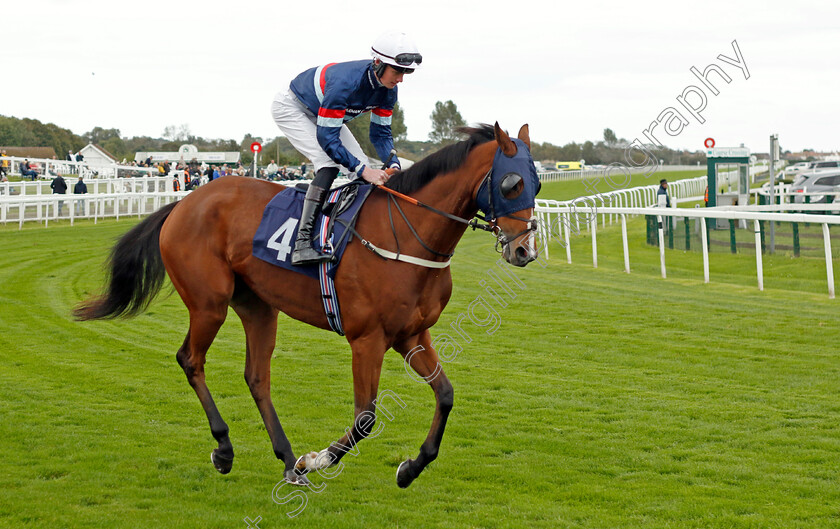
(375, 176)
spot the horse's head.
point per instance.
(506, 197)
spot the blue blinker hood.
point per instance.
(490, 199)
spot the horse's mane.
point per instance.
(443, 161)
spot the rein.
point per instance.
(478, 222)
(474, 223)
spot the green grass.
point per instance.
(601, 400)
(577, 188)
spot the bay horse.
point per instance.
(386, 303)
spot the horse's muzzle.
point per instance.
(520, 249)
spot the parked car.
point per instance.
(816, 181)
(797, 167)
(824, 165)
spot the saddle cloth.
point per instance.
(275, 237)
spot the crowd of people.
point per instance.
(195, 173)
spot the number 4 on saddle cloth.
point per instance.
(275, 237)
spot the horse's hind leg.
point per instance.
(423, 359)
(260, 322)
(204, 324)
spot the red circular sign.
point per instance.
(256, 147)
(709, 143)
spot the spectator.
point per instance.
(59, 187)
(4, 165)
(303, 170)
(194, 183)
(26, 170)
(208, 172)
(271, 170)
(663, 190)
(80, 189)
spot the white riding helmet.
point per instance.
(397, 49)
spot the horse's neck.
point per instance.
(453, 193)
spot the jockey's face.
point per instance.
(391, 77)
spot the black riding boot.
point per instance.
(304, 253)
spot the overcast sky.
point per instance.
(569, 69)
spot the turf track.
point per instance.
(601, 400)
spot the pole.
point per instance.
(774, 143)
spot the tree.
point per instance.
(360, 127)
(398, 129)
(445, 119)
(178, 133)
(610, 137)
(98, 135)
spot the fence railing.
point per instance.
(145, 184)
(107, 197)
(49, 168)
(46, 208)
(557, 222)
(567, 176)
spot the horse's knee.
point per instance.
(254, 380)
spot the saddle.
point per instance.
(274, 240)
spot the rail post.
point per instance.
(733, 245)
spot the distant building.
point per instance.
(186, 153)
(97, 156)
(46, 153)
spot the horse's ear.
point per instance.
(524, 136)
(504, 141)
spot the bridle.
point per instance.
(502, 240)
(487, 222)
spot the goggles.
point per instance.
(404, 59)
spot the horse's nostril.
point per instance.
(521, 253)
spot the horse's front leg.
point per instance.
(420, 355)
(368, 352)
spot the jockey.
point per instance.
(313, 112)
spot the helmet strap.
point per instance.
(379, 68)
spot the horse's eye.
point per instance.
(511, 186)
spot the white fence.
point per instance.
(686, 190)
(107, 197)
(146, 184)
(568, 176)
(48, 168)
(44, 208)
(558, 221)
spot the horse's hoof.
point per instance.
(404, 477)
(223, 464)
(292, 477)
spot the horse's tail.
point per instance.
(135, 272)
